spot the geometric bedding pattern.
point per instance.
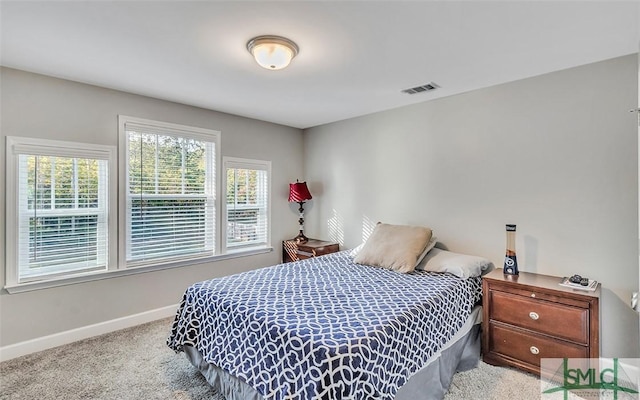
(323, 328)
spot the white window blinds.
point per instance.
(170, 209)
(247, 202)
(61, 208)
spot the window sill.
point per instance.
(95, 276)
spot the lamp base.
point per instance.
(301, 238)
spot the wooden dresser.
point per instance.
(527, 317)
(294, 251)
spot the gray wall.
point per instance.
(555, 154)
(44, 107)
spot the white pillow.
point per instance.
(395, 247)
(461, 265)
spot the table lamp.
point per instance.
(299, 193)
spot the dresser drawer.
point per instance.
(303, 255)
(530, 347)
(319, 251)
(554, 319)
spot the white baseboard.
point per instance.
(73, 335)
(629, 367)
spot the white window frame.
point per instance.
(203, 134)
(57, 148)
(244, 163)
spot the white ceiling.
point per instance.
(355, 57)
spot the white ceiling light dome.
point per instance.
(272, 52)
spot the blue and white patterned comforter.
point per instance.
(323, 328)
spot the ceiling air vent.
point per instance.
(424, 88)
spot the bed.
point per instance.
(331, 328)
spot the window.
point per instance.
(66, 225)
(247, 203)
(170, 195)
(60, 217)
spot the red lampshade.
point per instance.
(299, 192)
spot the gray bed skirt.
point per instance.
(461, 353)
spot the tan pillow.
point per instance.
(395, 247)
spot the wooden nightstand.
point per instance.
(293, 251)
(527, 317)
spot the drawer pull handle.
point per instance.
(534, 350)
(533, 295)
(533, 315)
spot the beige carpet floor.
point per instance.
(136, 364)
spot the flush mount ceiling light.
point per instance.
(272, 52)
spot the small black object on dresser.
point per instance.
(577, 279)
